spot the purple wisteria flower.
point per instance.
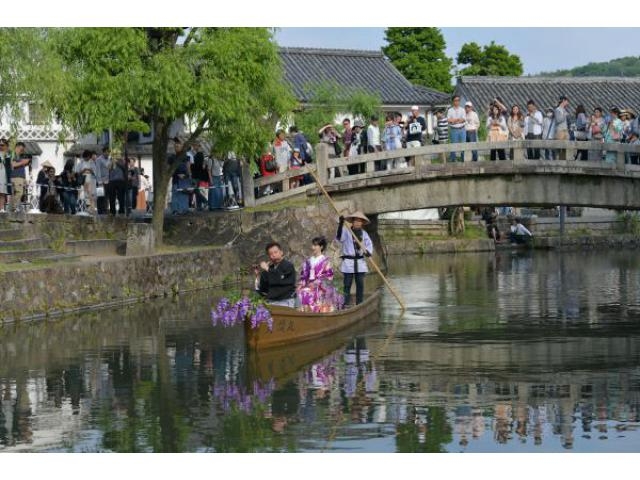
(230, 312)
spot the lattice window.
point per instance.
(37, 114)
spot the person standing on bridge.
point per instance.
(457, 119)
(471, 126)
(560, 118)
(533, 128)
(416, 127)
(353, 263)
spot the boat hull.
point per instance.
(293, 326)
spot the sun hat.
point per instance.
(359, 215)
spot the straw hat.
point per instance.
(47, 164)
(358, 214)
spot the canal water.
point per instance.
(505, 352)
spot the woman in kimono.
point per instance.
(316, 292)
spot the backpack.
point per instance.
(364, 141)
(271, 165)
(309, 152)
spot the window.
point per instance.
(37, 114)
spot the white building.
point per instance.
(44, 140)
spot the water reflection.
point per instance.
(505, 352)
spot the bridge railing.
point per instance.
(409, 162)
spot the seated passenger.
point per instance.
(316, 292)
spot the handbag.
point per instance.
(271, 165)
(100, 191)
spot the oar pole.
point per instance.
(357, 240)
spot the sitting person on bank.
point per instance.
(276, 280)
(353, 263)
(519, 233)
(316, 292)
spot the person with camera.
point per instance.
(45, 180)
(5, 173)
(69, 187)
(561, 123)
(276, 280)
(19, 164)
(103, 165)
(87, 179)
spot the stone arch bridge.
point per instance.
(428, 181)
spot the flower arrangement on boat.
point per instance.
(230, 312)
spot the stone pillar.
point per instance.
(140, 239)
(518, 152)
(322, 160)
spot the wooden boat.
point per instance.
(293, 326)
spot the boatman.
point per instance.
(353, 264)
(276, 280)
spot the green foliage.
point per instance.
(492, 59)
(224, 83)
(628, 222)
(435, 429)
(327, 100)
(28, 71)
(619, 67)
(419, 54)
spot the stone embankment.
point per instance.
(201, 251)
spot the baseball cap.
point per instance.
(468, 104)
(415, 107)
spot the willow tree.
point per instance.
(225, 84)
(27, 71)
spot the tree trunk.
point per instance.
(161, 174)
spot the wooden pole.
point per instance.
(357, 240)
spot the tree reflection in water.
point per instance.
(496, 353)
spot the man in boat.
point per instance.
(353, 263)
(276, 280)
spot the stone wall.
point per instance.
(219, 246)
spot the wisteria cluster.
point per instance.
(230, 394)
(229, 313)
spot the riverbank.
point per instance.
(201, 251)
(401, 237)
(56, 265)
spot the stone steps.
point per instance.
(22, 244)
(13, 256)
(97, 247)
(7, 234)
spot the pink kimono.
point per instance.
(316, 292)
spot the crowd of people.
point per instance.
(459, 125)
(87, 185)
(203, 181)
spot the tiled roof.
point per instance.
(605, 92)
(354, 69)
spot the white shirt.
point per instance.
(520, 229)
(472, 122)
(373, 135)
(454, 114)
(533, 123)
